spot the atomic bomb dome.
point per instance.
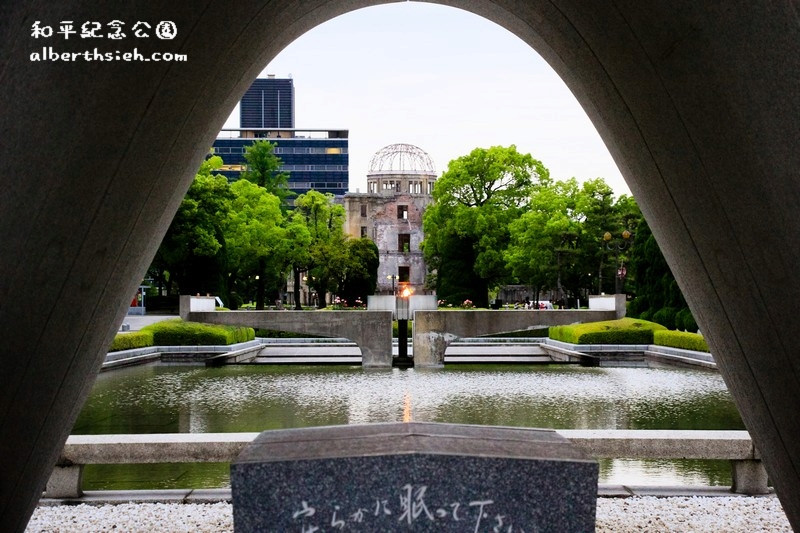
(399, 187)
(401, 159)
(401, 168)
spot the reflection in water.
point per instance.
(407, 408)
(168, 399)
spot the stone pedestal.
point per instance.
(413, 477)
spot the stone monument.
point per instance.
(413, 477)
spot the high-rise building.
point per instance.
(314, 158)
(268, 103)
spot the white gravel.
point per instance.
(617, 515)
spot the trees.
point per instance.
(192, 253)
(298, 256)
(466, 228)
(658, 296)
(327, 251)
(543, 239)
(263, 169)
(240, 241)
(256, 239)
(361, 273)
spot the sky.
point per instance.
(442, 79)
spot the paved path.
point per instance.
(137, 322)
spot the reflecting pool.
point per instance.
(177, 399)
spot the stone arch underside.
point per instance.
(697, 102)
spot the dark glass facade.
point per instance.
(268, 103)
(315, 159)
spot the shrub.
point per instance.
(179, 333)
(622, 331)
(666, 317)
(685, 320)
(637, 306)
(645, 315)
(131, 340)
(681, 339)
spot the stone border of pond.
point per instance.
(748, 473)
(468, 350)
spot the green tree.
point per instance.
(466, 228)
(596, 205)
(543, 238)
(192, 254)
(654, 284)
(327, 251)
(361, 274)
(256, 239)
(299, 253)
(263, 169)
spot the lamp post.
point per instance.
(392, 277)
(402, 311)
(618, 245)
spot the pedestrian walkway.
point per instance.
(137, 322)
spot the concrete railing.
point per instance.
(749, 476)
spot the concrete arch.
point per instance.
(697, 102)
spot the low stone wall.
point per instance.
(370, 330)
(435, 330)
(749, 476)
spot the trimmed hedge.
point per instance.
(179, 333)
(681, 339)
(130, 340)
(622, 331)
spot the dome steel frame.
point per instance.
(401, 158)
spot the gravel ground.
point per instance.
(617, 515)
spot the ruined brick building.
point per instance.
(400, 182)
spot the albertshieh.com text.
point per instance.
(48, 53)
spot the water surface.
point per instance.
(175, 399)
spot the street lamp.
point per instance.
(392, 277)
(618, 245)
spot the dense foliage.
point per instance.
(658, 297)
(498, 219)
(241, 241)
(467, 229)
